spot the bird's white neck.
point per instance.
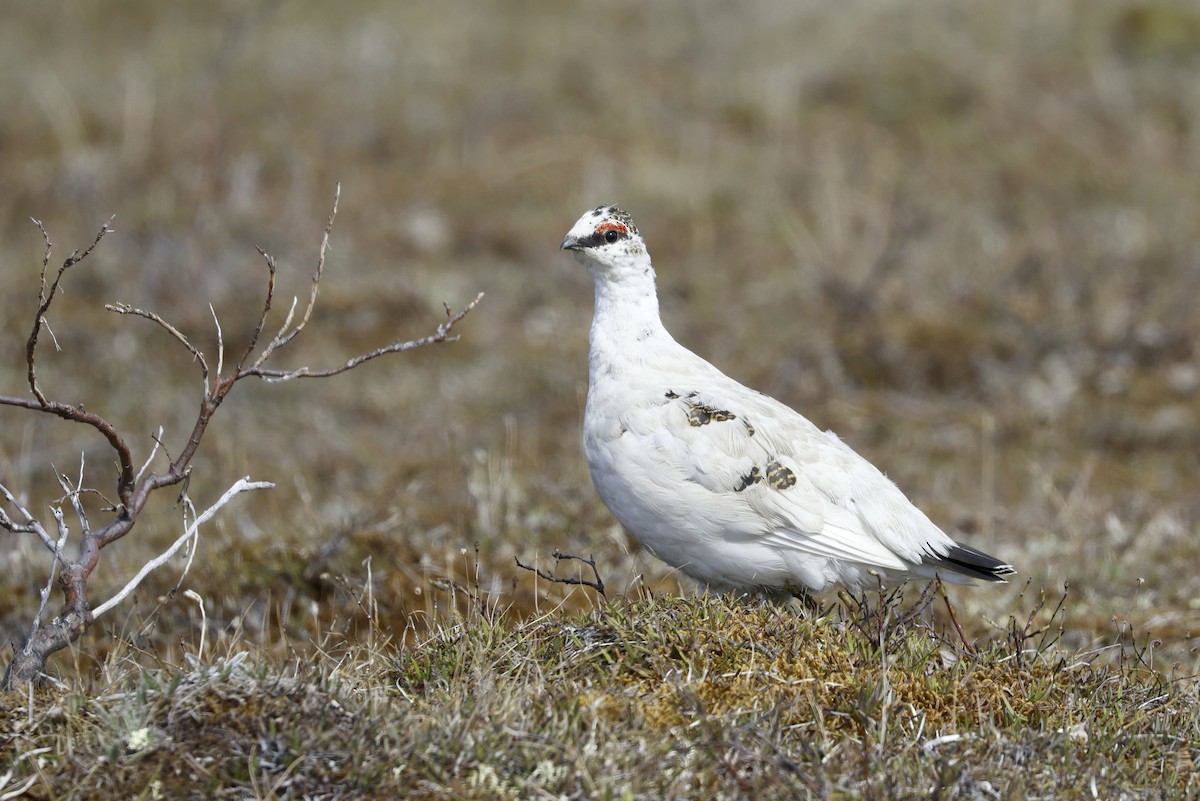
(626, 308)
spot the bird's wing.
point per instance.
(875, 504)
(809, 490)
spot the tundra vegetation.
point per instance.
(962, 237)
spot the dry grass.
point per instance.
(650, 697)
(963, 237)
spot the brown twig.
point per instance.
(597, 585)
(284, 336)
(125, 308)
(45, 298)
(941, 588)
(79, 415)
(441, 335)
(266, 309)
(878, 624)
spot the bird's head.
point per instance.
(605, 237)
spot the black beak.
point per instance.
(570, 243)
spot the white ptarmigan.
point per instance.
(722, 482)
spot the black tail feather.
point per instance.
(970, 562)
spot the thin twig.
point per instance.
(157, 444)
(31, 524)
(193, 543)
(241, 485)
(53, 338)
(45, 257)
(1042, 644)
(274, 343)
(46, 297)
(125, 308)
(597, 585)
(284, 336)
(220, 343)
(441, 335)
(266, 309)
(953, 617)
(73, 495)
(44, 593)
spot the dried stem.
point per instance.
(220, 341)
(441, 335)
(72, 495)
(941, 588)
(44, 593)
(30, 524)
(46, 297)
(597, 584)
(153, 452)
(125, 308)
(266, 309)
(316, 276)
(243, 484)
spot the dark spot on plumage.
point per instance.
(749, 428)
(671, 395)
(780, 477)
(701, 415)
(750, 479)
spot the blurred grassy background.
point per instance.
(963, 236)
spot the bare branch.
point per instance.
(193, 544)
(45, 257)
(44, 593)
(316, 277)
(153, 451)
(53, 339)
(125, 308)
(46, 297)
(7, 523)
(287, 321)
(73, 495)
(241, 485)
(284, 336)
(441, 335)
(220, 345)
(266, 309)
(79, 415)
(30, 524)
(597, 585)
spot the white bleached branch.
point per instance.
(44, 593)
(243, 484)
(157, 444)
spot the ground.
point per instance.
(963, 237)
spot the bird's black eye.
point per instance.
(611, 236)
